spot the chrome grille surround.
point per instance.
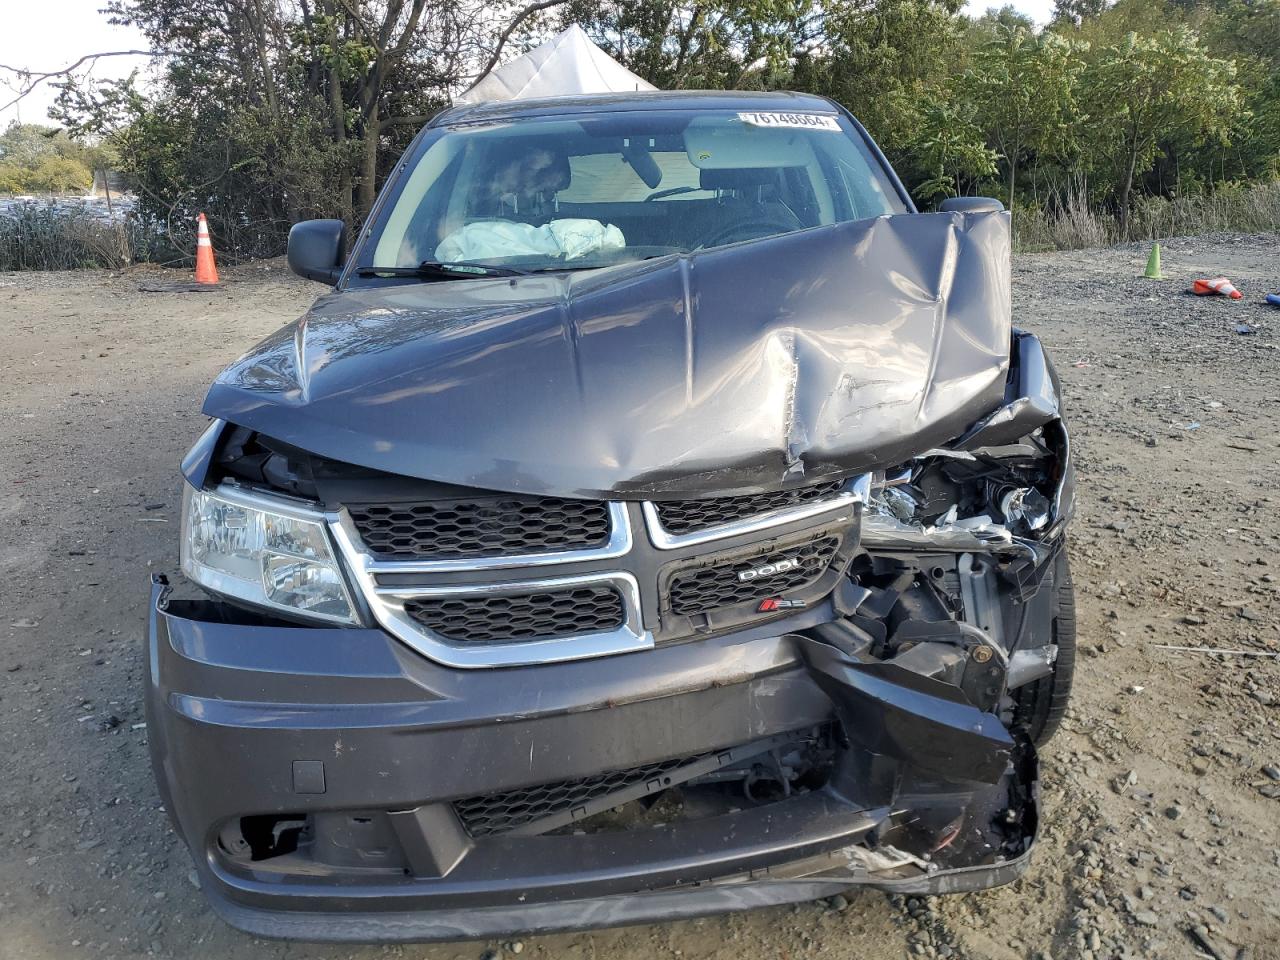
(519, 617)
(856, 490)
(384, 585)
(618, 545)
(707, 513)
(386, 602)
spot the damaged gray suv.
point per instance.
(659, 517)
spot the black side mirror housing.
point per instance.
(318, 249)
(970, 205)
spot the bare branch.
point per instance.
(506, 34)
(33, 78)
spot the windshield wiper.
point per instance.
(436, 270)
(571, 266)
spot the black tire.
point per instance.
(1041, 704)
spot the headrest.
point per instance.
(546, 171)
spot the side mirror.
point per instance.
(970, 205)
(317, 249)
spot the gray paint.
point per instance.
(829, 351)
(724, 895)
(493, 731)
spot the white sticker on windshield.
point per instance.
(802, 121)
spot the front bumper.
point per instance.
(354, 732)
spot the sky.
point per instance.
(50, 35)
(29, 41)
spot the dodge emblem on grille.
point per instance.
(768, 569)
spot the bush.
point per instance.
(50, 236)
(1071, 226)
(1251, 208)
(1235, 208)
(55, 174)
(13, 179)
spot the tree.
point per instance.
(345, 64)
(889, 61)
(1077, 12)
(704, 44)
(41, 159)
(1248, 32)
(55, 174)
(13, 178)
(951, 150)
(1142, 92)
(1023, 87)
(269, 111)
(1007, 17)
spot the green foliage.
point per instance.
(1005, 18)
(709, 44)
(1077, 12)
(251, 176)
(1080, 112)
(39, 159)
(950, 147)
(888, 61)
(1023, 88)
(49, 236)
(1248, 32)
(265, 114)
(1145, 93)
(13, 178)
(59, 175)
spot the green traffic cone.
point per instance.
(1153, 264)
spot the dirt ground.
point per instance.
(1161, 793)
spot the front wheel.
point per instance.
(1040, 705)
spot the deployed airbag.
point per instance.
(496, 239)
(742, 368)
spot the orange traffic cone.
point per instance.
(206, 271)
(1217, 285)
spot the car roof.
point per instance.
(646, 100)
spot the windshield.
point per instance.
(556, 193)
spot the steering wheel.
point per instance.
(750, 228)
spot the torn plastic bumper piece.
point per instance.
(913, 718)
(413, 738)
(802, 881)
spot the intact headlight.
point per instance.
(273, 556)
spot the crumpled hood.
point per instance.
(828, 351)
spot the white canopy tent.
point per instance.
(567, 64)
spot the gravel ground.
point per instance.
(1162, 793)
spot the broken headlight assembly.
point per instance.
(267, 553)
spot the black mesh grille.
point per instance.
(501, 812)
(707, 589)
(520, 618)
(690, 516)
(481, 527)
